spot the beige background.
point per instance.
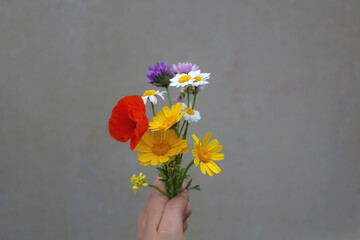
(284, 100)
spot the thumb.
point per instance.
(174, 214)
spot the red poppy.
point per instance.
(128, 120)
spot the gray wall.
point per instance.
(284, 100)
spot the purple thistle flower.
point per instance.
(160, 74)
(174, 69)
(184, 67)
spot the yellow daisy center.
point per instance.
(184, 78)
(149, 93)
(197, 78)
(204, 154)
(160, 148)
(189, 111)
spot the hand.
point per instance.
(162, 218)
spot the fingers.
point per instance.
(154, 207)
(185, 225)
(175, 214)
(186, 215)
(188, 211)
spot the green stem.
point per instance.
(186, 128)
(193, 105)
(170, 186)
(161, 191)
(182, 126)
(153, 108)
(188, 97)
(188, 102)
(176, 129)
(187, 167)
(168, 94)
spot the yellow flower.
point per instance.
(138, 182)
(205, 153)
(160, 146)
(166, 118)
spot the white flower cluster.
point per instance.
(193, 78)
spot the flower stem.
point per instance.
(186, 128)
(182, 126)
(161, 191)
(153, 108)
(188, 97)
(168, 94)
(193, 105)
(188, 102)
(187, 167)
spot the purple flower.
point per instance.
(184, 67)
(160, 74)
(175, 69)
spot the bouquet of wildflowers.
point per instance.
(163, 142)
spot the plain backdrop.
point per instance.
(283, 100)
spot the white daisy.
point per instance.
(152, 96)
(191, 115)
(200, 78)
(183, 80)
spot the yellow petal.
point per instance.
(212, 144)
(196, 161)
(144, 163)
(143, 147)
(158, 136)
(202, 168)
(195, 153)
(196, 140)
(216, 156)
(180, 116)
(215, 168)
(176, 109)
(171, 137)
(173, 151)
(185, 149)
(163, 158)
(206, 138)
(161, 115)
(154, 125)
(145, 157)
(148, 138)
(167, 111)
(216, 149)
(155, 160)
(208, 170)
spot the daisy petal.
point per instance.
(153, 99)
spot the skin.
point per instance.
(162, 218)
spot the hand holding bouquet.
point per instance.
(163, 142)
